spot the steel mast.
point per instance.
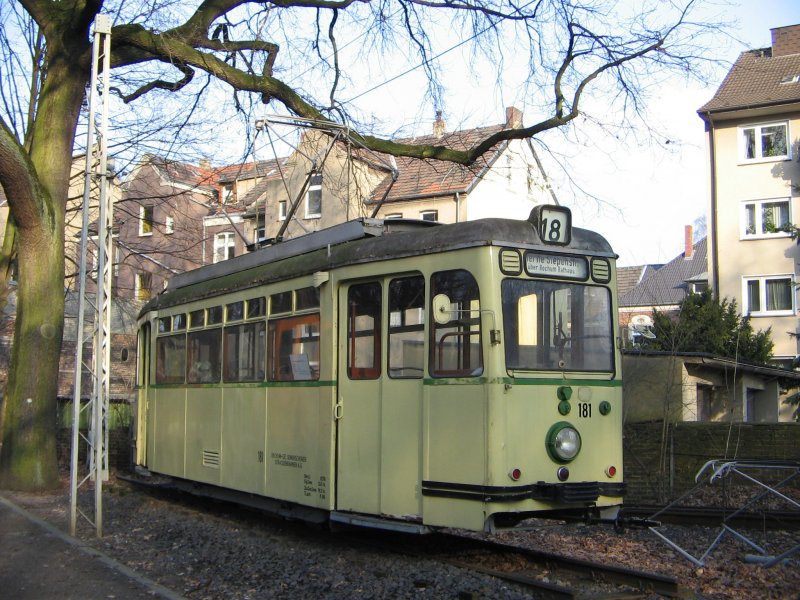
(98, 336)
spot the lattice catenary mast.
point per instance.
(98, 335)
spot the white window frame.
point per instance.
(282, 209)
(146, 227)
(169, 224)
(227, 193)
(433, 212)
(139, 286)
(758, 134)
(224, 244)
(763, 300)
(315, 186)
(758, 214)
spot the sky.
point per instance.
(658, 192)
(639, 191)
(639, 196)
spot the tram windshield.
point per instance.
(557, 326)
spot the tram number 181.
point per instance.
(584, 410)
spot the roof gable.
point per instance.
(424, 178)
(757, 79)
(667, 285)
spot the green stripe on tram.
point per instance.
(243, 384)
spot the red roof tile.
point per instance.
(418, 178)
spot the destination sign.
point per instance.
(556, 265)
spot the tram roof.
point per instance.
(361, 241)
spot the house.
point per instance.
(507, 181)
(322, 183)
(158, 224)
(327, 181)
(694, 386)
(753, 132)
(662, 287)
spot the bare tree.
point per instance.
(289, 53)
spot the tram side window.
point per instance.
(244, 352)
(406, 327)
(455, 348)
(364, 331)
(294, 348)
(203, 356)
(171, 359)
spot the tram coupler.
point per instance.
(621, 522)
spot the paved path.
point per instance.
(39, 561)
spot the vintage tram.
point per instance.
(399, 374)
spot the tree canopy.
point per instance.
(707, 324)
(298, 56)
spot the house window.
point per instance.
(142, 286)
(224, 246)
(314, 197)
(227, 193)
(429, 215)
(698, 287)
(765, 218)
(146, 220)
(773, 295)
(282, 210)
(169, 224)
(762, 142)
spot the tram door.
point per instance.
(379, 424)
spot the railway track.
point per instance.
(712, 516)
(545, 574)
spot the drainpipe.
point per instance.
(458, 205)
(713, 186)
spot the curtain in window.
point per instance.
(753, 296)
(779, 294)
(775, 216)
(773, 140)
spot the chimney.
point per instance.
(688, 241)
(205, 164)
(785, 40)
(438, 125)
(513, 117)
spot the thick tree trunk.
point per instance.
(36, 181)
(28, 458)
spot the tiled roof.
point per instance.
(261, 168)
(419, 178)
(179, 172)
(667, 285)
(630, 277)
(755, 80)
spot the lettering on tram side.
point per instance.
(289, 460)
(585, 410)
(309, 489)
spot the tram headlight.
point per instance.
(563, 442)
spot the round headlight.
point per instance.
(563, 442)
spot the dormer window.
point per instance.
(227, 193)
(791, 79)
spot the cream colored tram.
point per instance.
(393, 373)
